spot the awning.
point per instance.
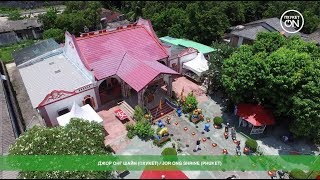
(255, 114)
(198, 65)
(171, 174)
(85, 112)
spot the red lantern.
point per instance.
(204, 139)
(215, 126)
(235, 141)
(214, 144)
(193, 133)
(185, 128)
(161, 114)
(176, 123)
(245, 150)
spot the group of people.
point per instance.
(226, 132)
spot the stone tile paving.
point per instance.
(116, 129)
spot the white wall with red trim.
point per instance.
(53, 108)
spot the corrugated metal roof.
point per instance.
(250, 32)
(52, 73)
(188, 43)
(34, 50)
(6, 26)
(104, 52)
(251, 29)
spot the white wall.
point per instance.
(52, 109)
(71, 53)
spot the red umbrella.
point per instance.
(149, 174)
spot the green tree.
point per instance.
(92, 13)
(75, 6)
(282, 74)
(191, 103)
(49, 18)
(79, 137)
(143, 129)
(56, 34)
(14, 15)
(311, 22)
(223, 51)
(268, 42)
(138, 113)
(212, 25)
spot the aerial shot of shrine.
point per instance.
(231, 78)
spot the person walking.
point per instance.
(198, 145)
(233, 133)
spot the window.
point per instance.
(63, 111)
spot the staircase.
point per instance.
(124, 106)
(156, 112)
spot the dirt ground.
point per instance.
(29, 114)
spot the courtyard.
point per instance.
(184, 133)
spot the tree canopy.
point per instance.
(280, 73)
(76, 16)
(206, 21)
(79, 137)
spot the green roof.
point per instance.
(188, 43)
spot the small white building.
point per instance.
(54, 79)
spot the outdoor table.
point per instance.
(120, 114)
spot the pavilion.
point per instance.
(254, 116)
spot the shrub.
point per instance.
(169, 152)
(129, 127)
(217, 121)
(56, 34)
(252, 144)
(190, 99)
(14, 15)
(297, 174)
(143, 129)
(138, 113)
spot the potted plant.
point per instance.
(217, 121)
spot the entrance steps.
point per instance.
(156, 112)
(126, 108)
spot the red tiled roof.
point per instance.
(257, 115)
(139, 73)
(131, 53)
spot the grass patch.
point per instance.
(7, 10)
(6, 51)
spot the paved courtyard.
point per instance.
(212, 106)
(117, 133)
(183, 83)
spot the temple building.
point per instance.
(98, 68)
